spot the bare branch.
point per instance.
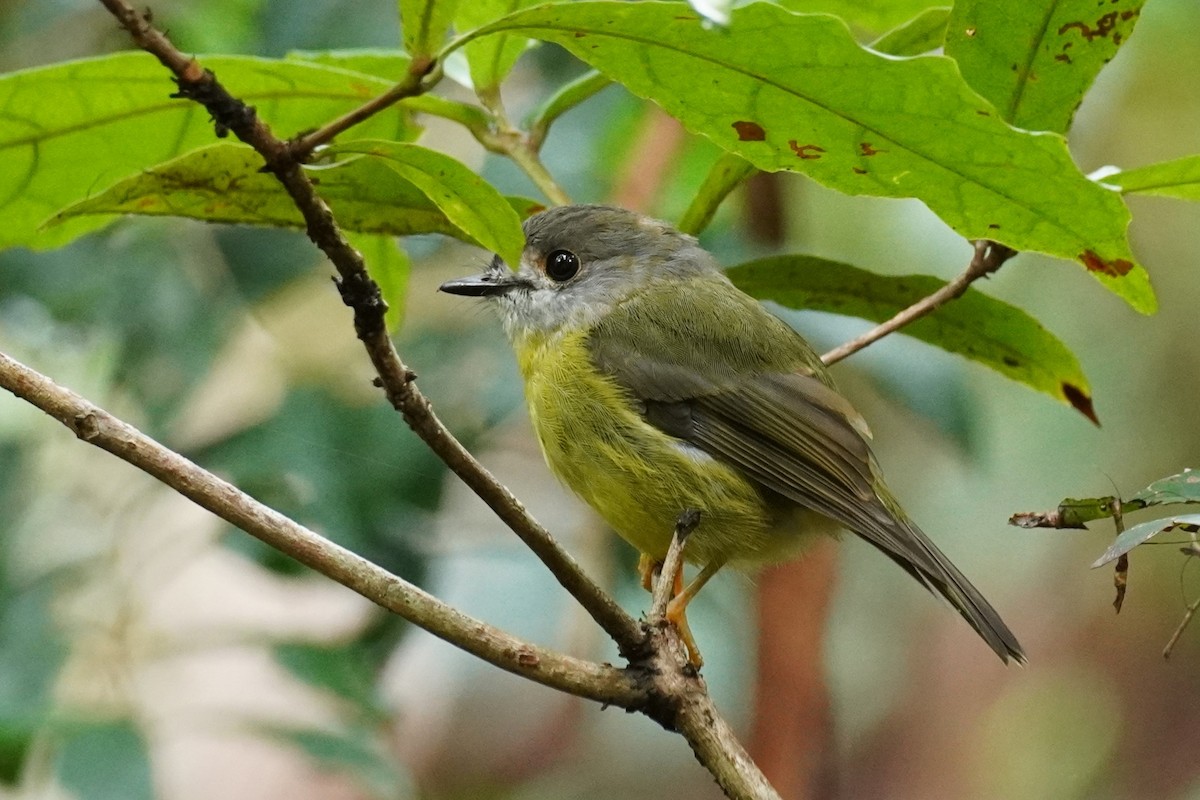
(95, 426)
(989, 257)
(363, 296)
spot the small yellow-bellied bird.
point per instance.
(656, 386)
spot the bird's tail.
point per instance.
(933, 569)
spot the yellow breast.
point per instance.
(638, 478)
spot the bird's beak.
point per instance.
(488, 284)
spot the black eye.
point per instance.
(561, 265)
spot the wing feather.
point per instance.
(770, 409)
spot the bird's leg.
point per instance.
(648, 569)
(676, 612)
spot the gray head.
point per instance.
(580, 261)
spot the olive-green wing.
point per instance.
(742, 386)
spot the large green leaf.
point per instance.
(1034, 59)
(224, 183)
(1179, 178)
(467, 200)
(979, 327)
(794, 91)
(71, 129)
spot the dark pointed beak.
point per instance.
(489, 284)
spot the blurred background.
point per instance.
(146, 649)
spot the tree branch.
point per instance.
(654, 684)
(94, 425)
(363, 296)
(988, 257)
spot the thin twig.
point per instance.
(672, 565)
(421, 76)
(363, 296)
(989, 257)
(502, 138)
(1183, 623)
(97, 427)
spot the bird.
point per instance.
(656, 387)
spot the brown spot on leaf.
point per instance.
(993, 226)
(806, 151)
(1063, 57)
(867, 150)
(1104, 27)
(982, 112)
(1080, 400)
(970, 33)
(580, 34)
(859, 170)
(1009, 361)
(1117, 267)
(749, 131)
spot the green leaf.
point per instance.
(875, 16)
(492, 58)
(389, 266)
(391, 64)
(1179, 178)
(1139, 534)
(380, 62)
(795, 92)
(345, 670)
(1035, 59)
(921, 34)
(223, 183)
(468, 201)
(423, 24)
(353, 753)
(71, 129)
(975, 325)
(106, 761)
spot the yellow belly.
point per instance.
(638, 478)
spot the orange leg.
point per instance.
(677, 608)
(648, 568)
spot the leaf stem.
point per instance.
(722, 178)
(567, 97)
(989, 257)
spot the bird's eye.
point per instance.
(561, 265)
